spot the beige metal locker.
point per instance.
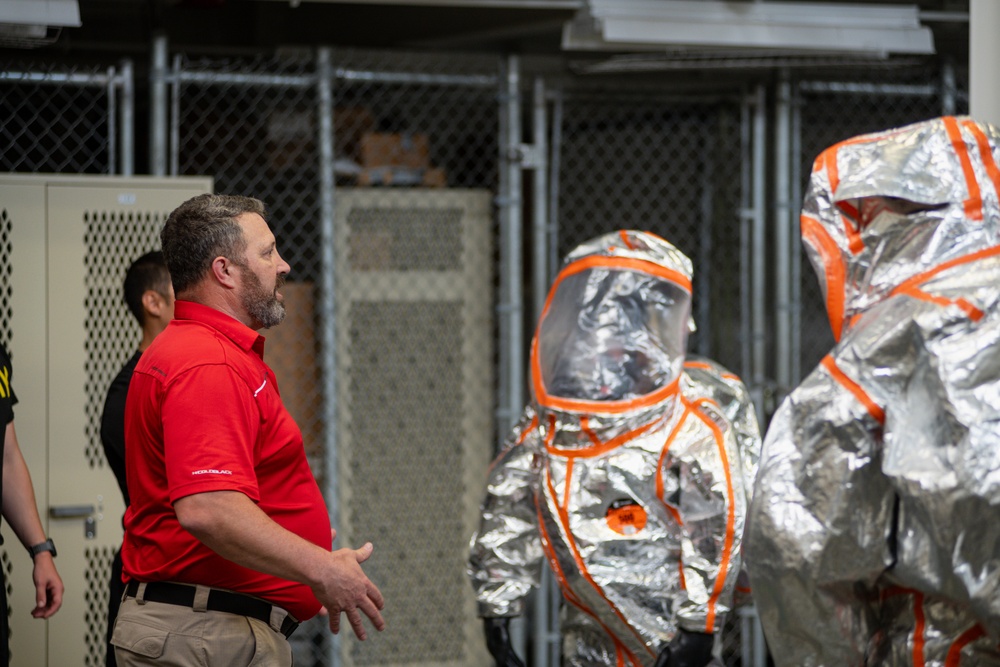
(414, 325)
(66, 242)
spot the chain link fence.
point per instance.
(61, 118)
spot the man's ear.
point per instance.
(153, 303)
(223, 270)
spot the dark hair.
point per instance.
(201, 229)
(148, 272)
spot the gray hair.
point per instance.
(201, 229)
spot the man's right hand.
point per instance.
(345, 588)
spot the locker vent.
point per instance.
(405, 239)
(112, 241)
(414, 365)
(6, 267)
(98, 578)
(8, 569)
(407, 380)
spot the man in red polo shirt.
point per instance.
(227, 539)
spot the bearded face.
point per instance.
(263, 306)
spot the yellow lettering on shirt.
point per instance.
(4, 382)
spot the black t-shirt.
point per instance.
(113, 423)
(7, 401)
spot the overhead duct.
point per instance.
(787, 27)
(28, 24)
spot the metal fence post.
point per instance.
(783, 227)
(703, 269)
(111, 89)
(948, 88)
(327, 307)
(795, 258)
(127, 125)
(513, 243)
(158, 108)
(758, 270)
(546, 647)
(555, 161)
(540, 271)
(510, 313)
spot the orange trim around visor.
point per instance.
(604, 407)
(835, 273)
(974, 204)
(877, 413)
(622, 264)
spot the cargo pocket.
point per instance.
(272, 649)
(141, 639)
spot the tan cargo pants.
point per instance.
(165, 635)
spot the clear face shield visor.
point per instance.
(612, 335)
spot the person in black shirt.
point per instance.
(150, 298)
(20, 511)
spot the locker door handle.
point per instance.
(71, 511)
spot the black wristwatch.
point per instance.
(47, 545)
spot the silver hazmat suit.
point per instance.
(630, 469)
(874, 532)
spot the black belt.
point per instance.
(218, 600)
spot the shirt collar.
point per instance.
(244, 337)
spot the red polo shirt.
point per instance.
(203, 414)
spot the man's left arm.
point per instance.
(21, 513)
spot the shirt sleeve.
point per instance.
(8, 399)
(211, 425)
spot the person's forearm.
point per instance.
(19, 508)
(232, 525)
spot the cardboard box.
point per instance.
(349, 125)
(290, 351)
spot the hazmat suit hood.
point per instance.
(614, 327)
(883, 209)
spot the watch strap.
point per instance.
(47, 545)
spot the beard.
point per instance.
(262, 306)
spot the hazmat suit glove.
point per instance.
(498, 642)
(687, 649)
